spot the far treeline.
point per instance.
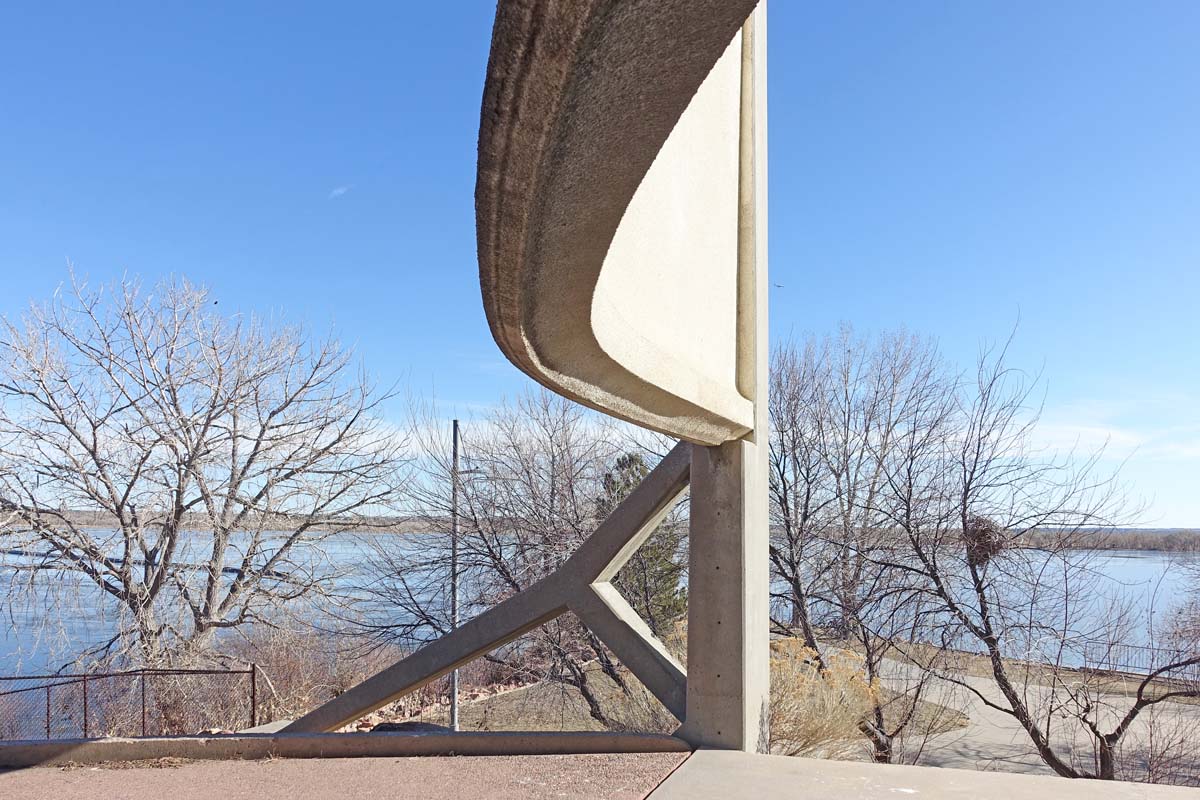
(1162, 540)
(1158, 540)
(200, 522)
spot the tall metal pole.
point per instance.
(454, 569)
(253, 695)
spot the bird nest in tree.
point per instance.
(984, 540)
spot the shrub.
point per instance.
(817, 712)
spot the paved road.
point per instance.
(994, 740)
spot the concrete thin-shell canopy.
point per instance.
(608, 210)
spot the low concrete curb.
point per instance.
(18, 754)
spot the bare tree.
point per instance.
(538, 476)
(970, 499)
(915, 522)
(1132, 726)
(838, 406)
(182, 461)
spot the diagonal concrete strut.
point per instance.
(582, 585)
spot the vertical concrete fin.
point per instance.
(728, 637)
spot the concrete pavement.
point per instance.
(705, 775)
(611, 776)
(723, 774)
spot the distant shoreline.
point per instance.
(1159, 540)
(1162, 540)
(199, 522)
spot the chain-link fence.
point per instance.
(146, 702)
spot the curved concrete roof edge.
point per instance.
(580, 97)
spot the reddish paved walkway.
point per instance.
(615, 776)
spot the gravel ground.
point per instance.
(616, 776)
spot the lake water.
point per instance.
(60, 614)
(46, 621)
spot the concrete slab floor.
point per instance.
(614, 776)
(721, 775)
(705, 775)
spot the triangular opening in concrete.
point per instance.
(654, 579)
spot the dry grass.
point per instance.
(548, 706)
(556, 707)
(817, 712)
(811, 714)
(299, 670)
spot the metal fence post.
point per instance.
(47, 711)
(85, 706)
(143, 703)
(253, 695)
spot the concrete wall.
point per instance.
(605, 206)
(665, 305)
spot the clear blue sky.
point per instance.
(943, 166)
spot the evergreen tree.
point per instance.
(652, 580)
